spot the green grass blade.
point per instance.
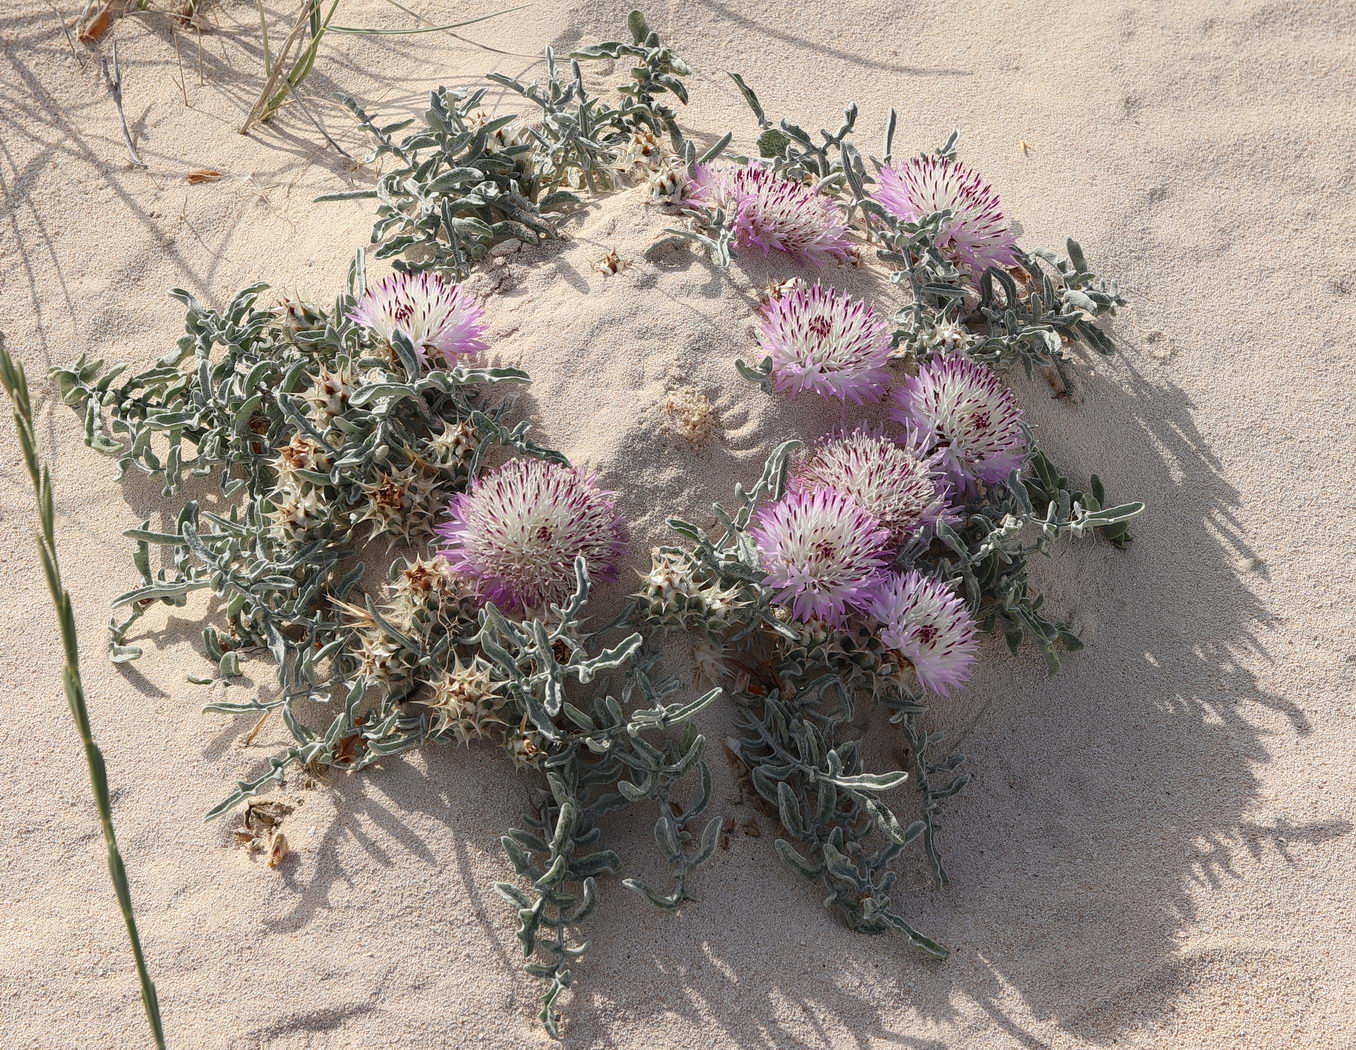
(16, 385)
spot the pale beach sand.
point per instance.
(1156, 850)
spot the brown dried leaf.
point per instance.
(347, 751)
(277, 849)
(98, 22)
(203, 175)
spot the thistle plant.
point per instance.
(893, 636)
(868, 576)
(856, 575)
(339, 435)
(462, 182)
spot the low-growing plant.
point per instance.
(860, 569)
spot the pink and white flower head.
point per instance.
(771, 213)
(895, 483)
(966, 417)
(822, 552)
(826, 342)
(437, 317)
(977, 234)
(928, 624)
(518, 530)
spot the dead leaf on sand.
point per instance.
(98, 21)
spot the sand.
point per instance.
(1156, 848)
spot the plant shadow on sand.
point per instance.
(1103, 799)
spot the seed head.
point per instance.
(465, 702)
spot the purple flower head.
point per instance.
(977, 233)
(895, 483)
(924, 621)
(822, 551)
(516, 533)
(966, 416)
(433, 314)
(826, 342)
(772, 213)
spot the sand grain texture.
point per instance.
(1156, 850)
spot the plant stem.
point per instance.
(16, 385)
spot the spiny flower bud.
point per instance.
(948, 336)
(378, 656)
(454, 445)
(298, 316)
(642, 149)
(426, 596)
(302, 453)
(668, 185)
(295, 511)
(329, 393)
(397, 501)
(525, 745)
(465, 702)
